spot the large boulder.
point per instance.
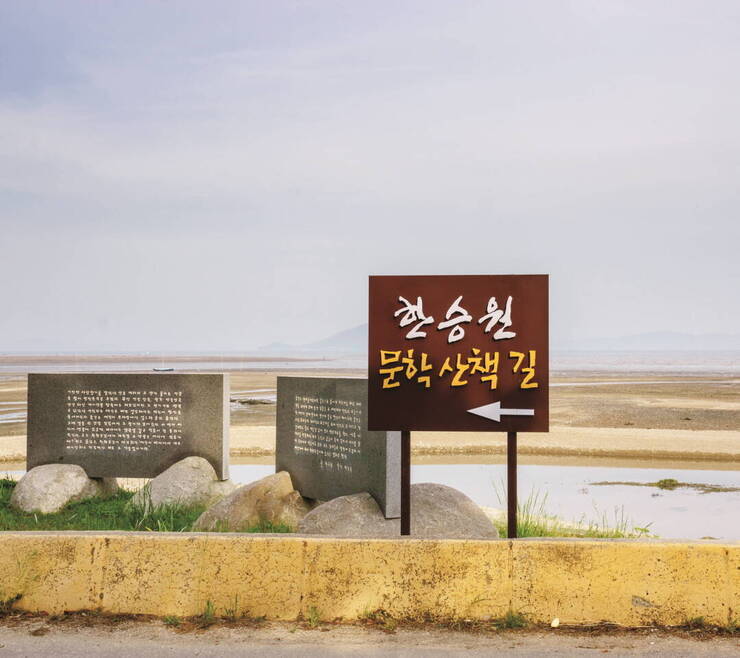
(47, 489)
(189, 482)
(269, 500)
(437, 512)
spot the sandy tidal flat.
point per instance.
(596, 414)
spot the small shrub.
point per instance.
(6, 605)
(208, 617)
(232, 613)
(314, 616)
(511, 620)
(695, 623)
(668, 483)
(390, 625)
(172, 620)
(379, 618)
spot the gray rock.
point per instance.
(47, 489)
(271, 499)
(437, 512)
(191, 481)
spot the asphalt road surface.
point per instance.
(152, 638)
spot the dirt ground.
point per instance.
(76, 635)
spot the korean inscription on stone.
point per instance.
(127, 424)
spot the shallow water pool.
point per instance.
(570, 494)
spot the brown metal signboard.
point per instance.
(459, 353)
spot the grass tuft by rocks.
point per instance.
(534, 521)
(116, 512)
(111, 513)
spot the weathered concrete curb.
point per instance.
(629, 582)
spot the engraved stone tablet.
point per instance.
(323, 442)
(128, 424)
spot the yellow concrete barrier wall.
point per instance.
(630, 582)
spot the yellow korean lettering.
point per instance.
(475, 362)
(528, 371)
(527, 381)
(519, 356)
(491, 367)
(462, 367)
(389, 356)
(411, 369)
(425, 366)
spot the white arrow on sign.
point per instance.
(494, 411)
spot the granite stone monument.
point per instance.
(127, 424)
(323, 442)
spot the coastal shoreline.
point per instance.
(648, 416)
(565, 442)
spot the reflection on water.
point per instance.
(677, 514)
(13, 416)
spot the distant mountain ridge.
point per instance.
(354, 341)
(348, 341)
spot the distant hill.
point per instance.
(349, 341)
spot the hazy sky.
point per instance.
(221, 175)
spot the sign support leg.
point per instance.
(511, 483)
(405, 482)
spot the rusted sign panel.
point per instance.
(459, 353)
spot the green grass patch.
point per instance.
(270, 527)
(534, 521)
(267, 527)
(111, 513)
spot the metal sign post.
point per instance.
(511, 499)
(405, 483)
(459, 353)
